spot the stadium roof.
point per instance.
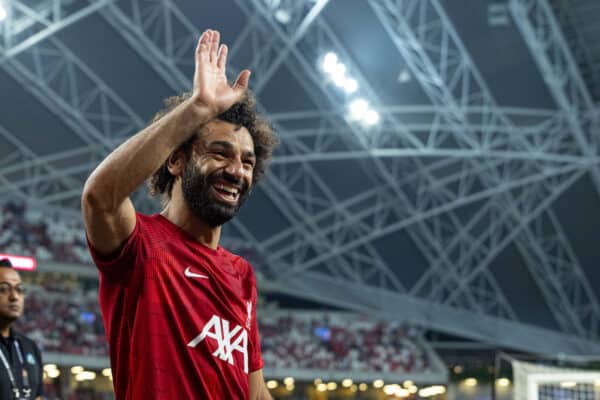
(467, 201)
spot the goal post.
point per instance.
(551, 379)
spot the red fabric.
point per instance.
(152, 313)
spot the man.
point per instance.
(20, 358)
(179, 310)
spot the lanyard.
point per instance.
(13, 382)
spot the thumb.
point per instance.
(242, 80)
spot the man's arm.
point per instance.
(108, 212)
(258, 389)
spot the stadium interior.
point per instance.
(428, 226)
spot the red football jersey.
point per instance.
(180, 317)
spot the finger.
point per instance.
(222, 60)
(214, 45)
(203, 46)
(242, 80)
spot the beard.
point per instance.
(197, 187)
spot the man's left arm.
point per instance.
(258, 389)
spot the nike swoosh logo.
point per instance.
(191, 274)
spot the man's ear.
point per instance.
(176, 163)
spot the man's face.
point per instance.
(217, 178)
(11, 299)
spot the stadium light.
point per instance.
(358, 109)
(471, 382)
(503, 382)
(85, 376)
(350, 85)
(390, 389)
(272, 384)
(371, 117)
(77, 369)
(288, 380)
(51, 371)
(283, 16)
(432, 391)
(329, 62)
(3, 12)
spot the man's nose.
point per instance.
(235, 168)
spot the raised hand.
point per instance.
(211, 88)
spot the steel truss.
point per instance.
(490, 283)
(517, 167)
(433, 51)
(27, 25)
(542, 35)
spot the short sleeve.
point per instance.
(123, 259)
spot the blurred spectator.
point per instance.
(339, 342)
(46, 237)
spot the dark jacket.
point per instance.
(32, 364)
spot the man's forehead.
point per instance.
(215, 131)
(9, 275)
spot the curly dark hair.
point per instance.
(244, 114)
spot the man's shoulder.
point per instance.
(233, 257)
(241, 263)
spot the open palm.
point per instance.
(211, 88)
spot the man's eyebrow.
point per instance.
(229, 146)
(249, 154)
(221, 143)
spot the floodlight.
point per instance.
(350, 85)
(358, 108)
(329, 62)
(371, 117)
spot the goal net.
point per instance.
(555, 380)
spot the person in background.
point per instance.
(21, 373)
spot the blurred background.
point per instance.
(429, 227)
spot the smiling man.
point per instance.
(180, 310)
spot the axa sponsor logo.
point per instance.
(228, 340)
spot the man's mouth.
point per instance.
(227, 192)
